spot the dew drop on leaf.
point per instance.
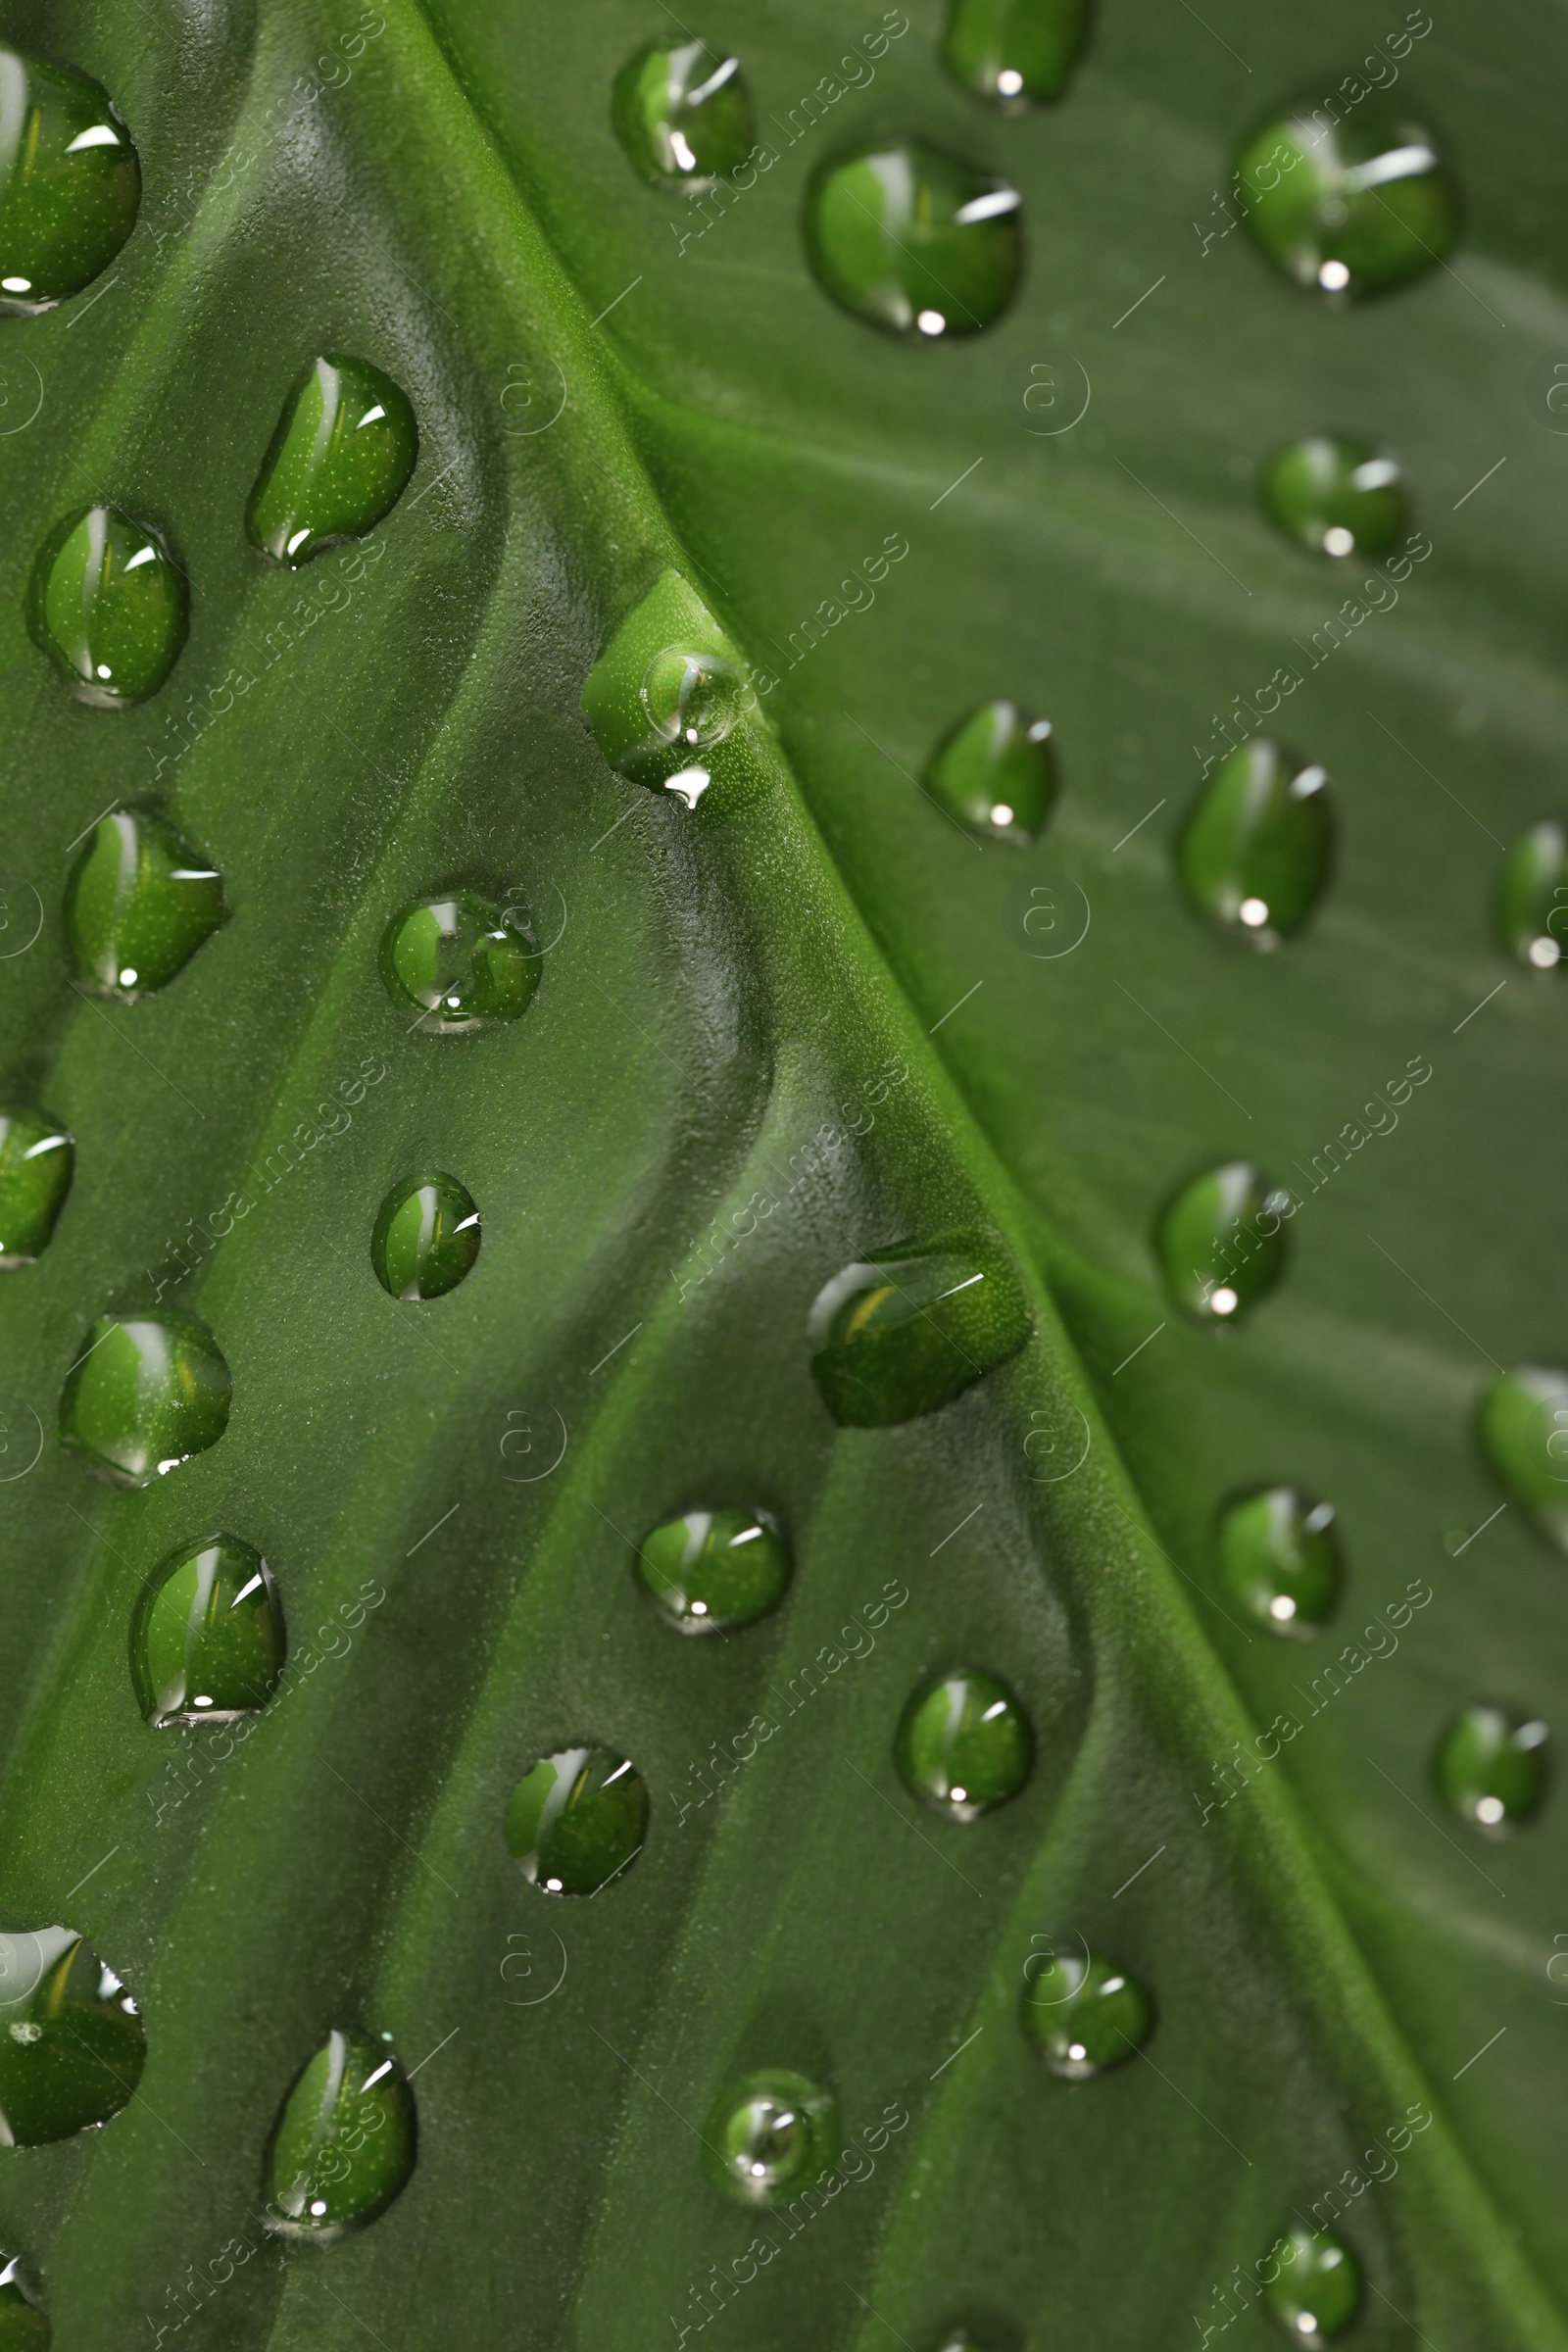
(1084, 2016)
(1221, 1242)
(1524, 1433)
(903, 1331)
(914, 240)
(145, 1393)
(770, 2135)
(964, 1743)
(1317, 2290)
(1256, 851)
(1347, 207)
(339, 460)
(682, 113)
(110, 607)
(139, 903)
(463, 959)
(72, 2043)
(1533, 897)
(577, 1819)
(425, 1238)
(1281, 1558)
(70, 182)
(1492, 1768)
(344, 2143)
(1336, 496)
(995, 771)
(37, 1161)
(23, 2325)
(708, 1572)
(1015, 51)
(207, 1634)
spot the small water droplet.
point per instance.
(1348, 208)
(1336, 496)
(1282, 1560)
(682, 112)
(914, 240)
(770, 2135)
(1523, 1426)
(577, 1819)
(70, 182)
(37, 1161)
(138, 903)
(339, 460)
(964, 1743)
(463, 959)
(110, 607)
(1256, 849)
(1316, 2291)
(207, 1634)
(710, 1571)
(71, 2044)
(1533, 897)
(903, 1331)
(1492, 1768)
(666, 686)
(23, 2325)
(425, 1238)
(146, 1393)
(997, 774)
(1015, 51)
(1084, 2016)
(344, 2143)
(1221, 1244)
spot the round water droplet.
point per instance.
(769, 2136)
(964, 1744)
(682, 112)
(138, 903)
(207, 1634)
(344, 2143)
(23, 2325)
(1015, 51)
(1317, 2290)
(146, 1393)
(1336, 496)
(425, 1238)
(1281, 1558)
(1533, 897)
(71, 2044)
(710, 1571)
(1257, 846)
(914, 240)
(37, 1161)
(463, 958)
(1524, 1435)
(577, 1819)
(903, 1331)
(693, 699)
(997, 774)
(1492, 1768)
(1348, 208)
(339, 460)
(70, 182)
(1221, 1244)
(1084, 2017)
(110, 607)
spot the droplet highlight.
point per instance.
(1492, 1769)
(683, 113)
(1316, 2291)
(23, 2323)
(72, 2043)
(576, 1819)
(425, 1238)
(1084, 2016)
(146, 1393)
(1282, 1560)
(1014, 52)
(710, 1572)
(1222, 1243)
(464, 960)
(338, 463)
(37, 1161)
(1337, 497)
(139, 903)
(1524, 1435)
(345, 2141)
(70, 182)
(964, 1743)
(997, 774)
(207, 1634)
(914, 240)
(1257, 849)
(1349, 208)
(903, 1331)
(770, 2135)
(1533, 897)
(109, 606)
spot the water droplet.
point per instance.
(770, 2135)
(903, 1331)
(463, 960)
(997, 774)
(1336, 496)
(71, 2044)
(37, 1161)
(207, 1634)
(682, 112)
(1084, 2016)
(138, 903)
(344, 2143)
(577, 1819)
(710, 1571)
(1492, 1768)
(1015, 51)
(1316, 2291)
(110, 607)
(146, 1393)
(1256, 849)
(23, 2325)
(1281, 1558)
(667, 699)
(964, 1744)
(1524, 1433)
(425, 1238)
(1533, 897)
(339, 460)
(1348, 208)
(914, 240)
(1220, 1242)
(70, 182)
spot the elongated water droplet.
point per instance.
(667, 699)
(339, 460)
(70, 182)
(425, 1238)
(710, 1571)
(71, 2044)
(1524, 1435)
(23, 2325)
(1492, 1768)
(1336, 496)
(1084, 2016)
(1255, 852)
(997, 774)
(1316, 2291)
(146, 1393)
(344, 2143)
(1221, 1242)
(1533, 897)
(37, 1161)
(463, 960)
(964, 1744)
(914, 240)
(110, 607)
(207, 1634)
(1348, 208)
(1015, 51)
(682, 112)
(770, 2135)
(903, 1331)
(138, 905)
(577, 1819)
(1281, 1558)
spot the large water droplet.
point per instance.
(70, 182)
(110, 607)
(903, 1331)
(1348, 208)
(425, 1237)
(1316, 2291)
(914, 240)
(964, 1743)
(1015, 51)
(577, 1819)
(1221, 1242)
(463, 959)
(340, 458)
(1524, 1433)
(37, 1161)
(1084, 2016)
(138, 903)
(344, 2143)
(682, 112)
(207, 1634)
(997, 774)
(1281, 1558)
(146, 1393)
(1257, 846)
(1533, 897)
(668, 697)
(710, 1571)
(769, 2136)
(1492, 1768)
(23, 2325)
(72, 2046)
(1336, 496)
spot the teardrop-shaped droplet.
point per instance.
(339, 460)
(1015, 51)
(914, 240)
(964, 1743)
(1492, 1768)
(425, 1238)
(1257, 849)
(707, 1572)
(146, 1393)
(1336, 496)
(682, 112)
(110, 607)
(70, 182)
(1282, 1560)
(770, 2135)
(577, 1819)
(344, 2143)
(463, 959)
(1084, 2016)
(667, 699)
(1316, 2291)
(71, 2044)
(23, 2325)
(1524, 1435)
(1222, 1243)
(37, 1161)
(1533, 895)
(207, 1634)
(1351, 207)
(997, 774)
(903, 1331)
(138, 905)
